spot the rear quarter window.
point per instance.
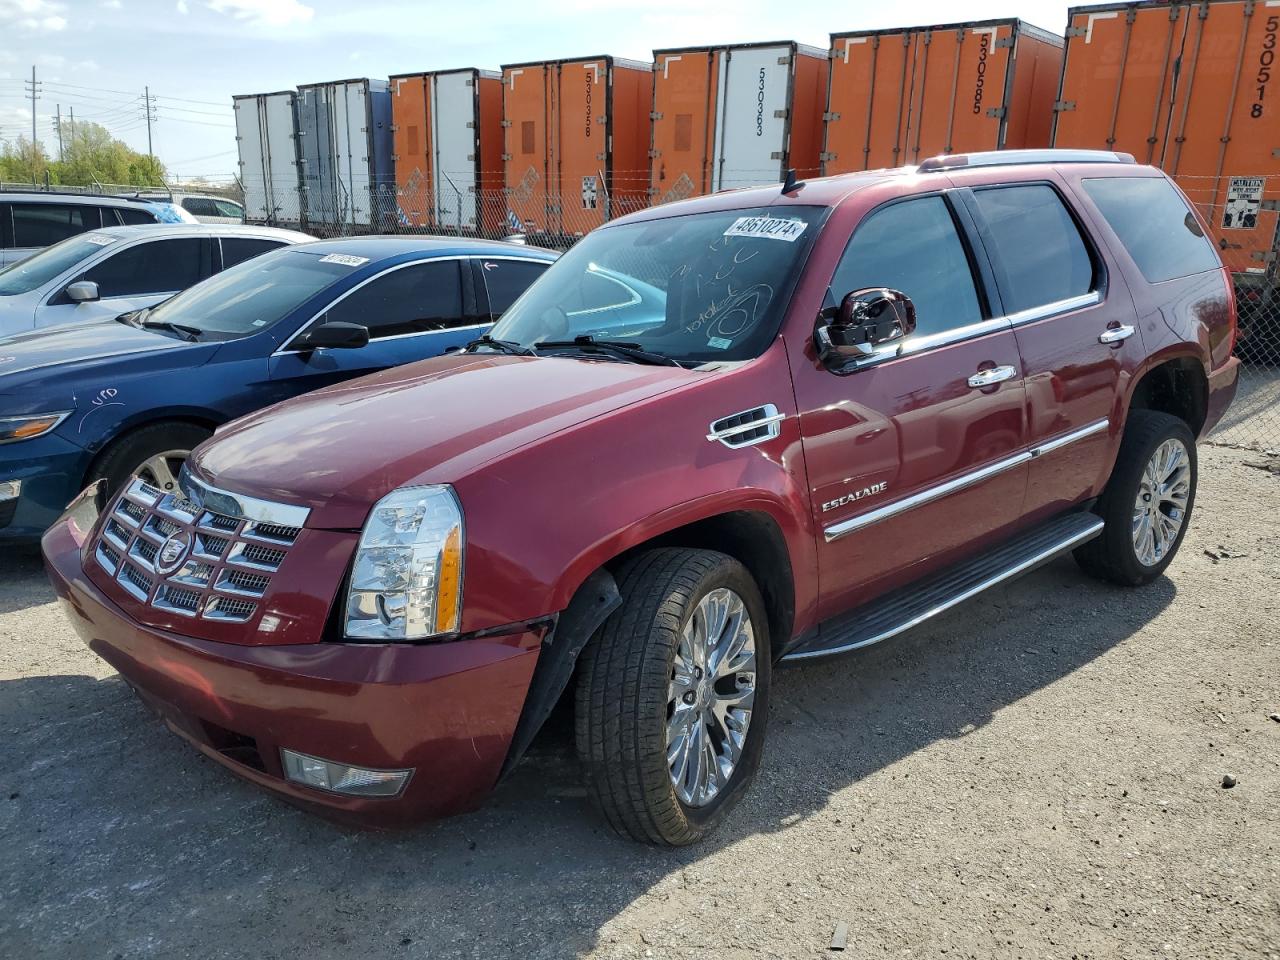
(1155, 225)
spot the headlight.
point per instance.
(406, 583)
(24, 428)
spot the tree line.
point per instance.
(89, 155)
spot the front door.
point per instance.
(413, 311)
(917, 456)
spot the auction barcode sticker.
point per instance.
(772, 228)
(344, 258)
(99, 239)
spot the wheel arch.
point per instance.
(204, 419)
(1177, 385)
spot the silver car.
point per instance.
(104, 273)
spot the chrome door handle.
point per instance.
(989, 378)
(1116, 334)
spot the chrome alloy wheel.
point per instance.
(1161, 506)
(710, 697)
(161, 471)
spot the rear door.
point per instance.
(503, 279)
(917, 456)
(751, 134)
(1076, 333)
(413, 311)
(39, 225)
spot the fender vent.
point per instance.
(749, 427)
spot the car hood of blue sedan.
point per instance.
(62, 363)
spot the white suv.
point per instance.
(31, 221)
(112, 271)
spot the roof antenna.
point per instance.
(790, 183)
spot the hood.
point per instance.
(53, 365)
(341, 449)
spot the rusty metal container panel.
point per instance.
(411, 147)
(735, 115)
(896, 97)
(576, 132)
(1193, 89)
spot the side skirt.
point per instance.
(909, 606)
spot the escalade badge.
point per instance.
(172, 552)
(856, 495)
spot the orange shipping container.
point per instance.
(899, 96)
(577, 140)
(735, 116)
(447, 130)
(1193, 88)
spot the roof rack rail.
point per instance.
(999, 158)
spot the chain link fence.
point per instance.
(1247, 235)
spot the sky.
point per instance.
(98, 56)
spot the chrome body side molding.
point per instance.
(845, 527)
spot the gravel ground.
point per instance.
(1036, 775)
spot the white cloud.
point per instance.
(269, 13)
(33, 16)
(183, 8)
(112, 4)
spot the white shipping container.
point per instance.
(267, 142)
(454, 136)
(345, 131)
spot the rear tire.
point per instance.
(156, 452)
(1147, 503)
(653, 700)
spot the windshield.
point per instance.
(51, 262)
(249, 297)
(699, 288)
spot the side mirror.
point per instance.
(83, 291)
(335, 335)
(865, 319)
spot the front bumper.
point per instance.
(51, 471)
(446, 710)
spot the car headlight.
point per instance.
(24, 428)
(406, 583)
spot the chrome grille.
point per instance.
(226, 570)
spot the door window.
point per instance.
(225, 208)
(1152, 221)
(44, 224)
(505, 280)
(1039, 255)
(913, 246)
(417, 299)
(199, 207)
(134, 216)
(161, 266)
(239, 249)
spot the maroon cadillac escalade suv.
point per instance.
(766, 425)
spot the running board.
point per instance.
(915, 603)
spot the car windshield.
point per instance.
(699, 288)
(249, 297)
(51, 262)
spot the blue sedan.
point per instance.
(135, 395)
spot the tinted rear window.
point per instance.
(1040, 255)
(1154, 224)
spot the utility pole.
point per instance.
(150, 101)
(57, 125)
(34, 93)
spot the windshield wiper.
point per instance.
(501, 346)
(190, 334)
(616, 348)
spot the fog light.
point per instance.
(340, 778)
(10, 489)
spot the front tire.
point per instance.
(1147, 503)
(155, 452)
(672, 696)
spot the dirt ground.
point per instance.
(1036, 775)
